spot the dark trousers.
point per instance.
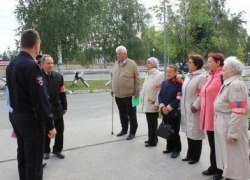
(127, 114)
(58, 145)
(213, 166)
(194, 149)
(30, 143)
(174, 144)
(152, 119)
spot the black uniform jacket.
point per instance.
(27, 90)
(56, 91)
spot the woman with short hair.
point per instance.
(149, 94)
(190, 108)
(208, 93)
(169, 103)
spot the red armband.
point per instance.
(238, 107)
(178, 95)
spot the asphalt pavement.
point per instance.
(93, 153)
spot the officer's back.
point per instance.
(31, 108)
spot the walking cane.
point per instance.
(112, 115)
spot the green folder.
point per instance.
(135, 100)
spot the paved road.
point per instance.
(92, 153)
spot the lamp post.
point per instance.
(153, 52)
(248, 54)
(165, 39)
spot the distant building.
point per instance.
(4, 63)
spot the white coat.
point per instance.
(191, 97)
(231, 121)
(150, 90)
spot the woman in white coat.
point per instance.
(149, 93)
(230, 125)
(190, 108)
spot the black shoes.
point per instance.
(190, 161)
(59, 155)
(193, 161)
(208, 172)
(150, 142)
(151, 145)
(167, 151)
(122, 133)
(46, 156)
(217, 177)
(175, 155)
(186, 159)
(131, 136)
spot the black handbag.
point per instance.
(165, 131)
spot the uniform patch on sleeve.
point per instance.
(238, 107)
(178, 95)
(39, 80)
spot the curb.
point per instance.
(86, 91)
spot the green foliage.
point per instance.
(64, 22)
(203, 26)
(89, 30)
(5, 56)
(118, 23)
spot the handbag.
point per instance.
(165, 131)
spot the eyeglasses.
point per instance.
(190, 62)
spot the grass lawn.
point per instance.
(93, 85)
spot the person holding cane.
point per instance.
(125, 84)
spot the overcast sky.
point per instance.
(8, 22)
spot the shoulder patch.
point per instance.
(39, 80)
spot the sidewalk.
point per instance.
(92, 153)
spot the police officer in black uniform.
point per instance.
(57, 96)
(31, 108)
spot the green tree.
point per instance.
(5, 56)
(203, 26)
(118, 23)
(62, 24)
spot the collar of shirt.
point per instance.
(122, 62)
(48, 73)
(27, 54)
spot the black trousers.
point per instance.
(127, 114)
(174, 144)
(194, 149)
(58, 145)
(30, 143)
(213, 166)
(152, 119)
